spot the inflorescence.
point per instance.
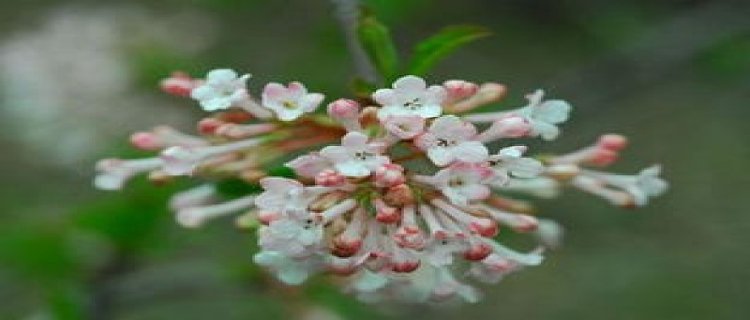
(405, 197)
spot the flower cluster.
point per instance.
(405, 195)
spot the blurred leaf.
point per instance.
(129, 219)
(235, 188)
(38, 252)
(376, 40)
(428, 52)
(65, 302)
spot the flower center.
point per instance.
(289, 104)
(414, 104)
(445, 142)
(362, 155)
(456, 182)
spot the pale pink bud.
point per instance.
(389, 175)
(410, 236)
(405, 266)
(613, 142)
(399, 195)
(346, 112)
(330, 178)
(386, 213)
(460, 89)
(346, 246)
(145, 141)
(484, 227)
(603, 157)
(179, 84)
(209, 125)
(478, 252)
(511, 126)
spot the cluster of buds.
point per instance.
(404, 199)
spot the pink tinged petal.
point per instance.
(354, 140)
(309, 165)
(444, 123)
(405, 127)
(279, 184)
(273, 92)
(310, 102)
(336, 154)
(436, 95)
(471, 151)
(410, 84)
(431, 111)
(296, 90)
(384, 97)
(426, 141)
(476, 191)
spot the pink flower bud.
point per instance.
(385, 213)
(343, 108)
(460, 89)
(613, 142)
(389, 175)
(179, 84)
(266, 216)
(512, 127)
(146, 141)
(478, 252)
(410, 237)
(209, 125)
(399, 195)
(345, 246)
(405, 266)
(329, 178)
(484, 227)
(346, 112)
(603, 157)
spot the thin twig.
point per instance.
(347, 12)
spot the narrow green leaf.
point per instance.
(431, 50)
(376, 40)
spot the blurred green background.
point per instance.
(77, 76)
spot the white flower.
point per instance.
(641, 187)
(288, 270)
(309, 165)
(404, 127)
(223, 89)
(410, 96)
(282, 195)
(290, 102)
(544, 116)
(449, 139)
(442, 248)
(113, 173)
(463, 182)
(183, 160)
(355, 157)
(492, 269)
(291, 237)
(510, 161)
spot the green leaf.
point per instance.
(431, 50)
(376, 40)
